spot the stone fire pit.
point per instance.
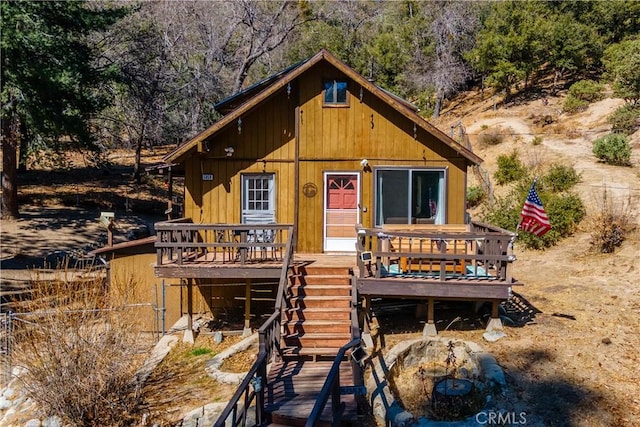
(424, 381)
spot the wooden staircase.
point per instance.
(316, 323)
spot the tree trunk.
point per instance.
(136, 166)
(138, 159)
(24, 138)
(10, 142)
(438, 106)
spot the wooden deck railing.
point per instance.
(251, 389)
(451, 252)
(181, 242)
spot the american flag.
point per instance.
(534, 219)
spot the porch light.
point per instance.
(229, 151)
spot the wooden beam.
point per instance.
(247, 304)
(431, 310)
(296, 167)
(188, 333)
(439, 290)
(211, 272)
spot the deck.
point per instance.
(466, 261)
(470, 261)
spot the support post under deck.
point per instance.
(188, 333)
(247, 309)
(495, 324)
(430, 327)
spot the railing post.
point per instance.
(243, 248)
(179, 248)
(261, 382)
(159, 251)
(335, 402)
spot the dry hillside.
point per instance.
(564, 372)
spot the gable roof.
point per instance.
(280, 80)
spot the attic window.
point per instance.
(335, 93)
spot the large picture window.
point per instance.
(410, 196)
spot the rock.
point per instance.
(54, 421)
(9, 392)
(493, 336)
(33, 423)
(492, 372)
(5, 403)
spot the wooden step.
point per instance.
(335, 313)
(324, 279)
(316, 326)
(320, 290)
(331, 352)
(316, 340)
(320, 301)
(314, 270)
(293, 421)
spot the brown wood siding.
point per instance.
(331, 139)
(133, 274)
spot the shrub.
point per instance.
(587, 90)
(475, 195)
(199, 351)
(492, 137)
(560, 178)
(609, 225)
(79, 356)
(537, 140)
(613, 149)
(565, 211)
(510, 168)
(574, 105)
(625, 119)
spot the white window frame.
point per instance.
(258, 216)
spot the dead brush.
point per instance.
(77, 352)
(609, 224)
(493, 136)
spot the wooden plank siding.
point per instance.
(330, 139)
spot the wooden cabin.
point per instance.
(329, 191)
(321, 147)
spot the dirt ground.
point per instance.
(576, 365)
(565, 372)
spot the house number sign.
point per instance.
(207, 177)
(309, 189)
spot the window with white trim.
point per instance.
(258, 205)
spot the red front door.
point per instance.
(341, 211)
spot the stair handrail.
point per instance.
(256, 378)
(331, 387)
